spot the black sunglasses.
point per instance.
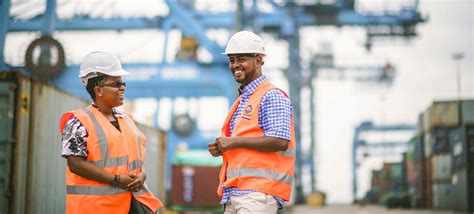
(114, 84)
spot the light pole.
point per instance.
(458, 56)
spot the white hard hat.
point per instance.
(244, 42)
(100, 62)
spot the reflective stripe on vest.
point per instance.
(93, 190)
(102, 190)
(109, 162)
(141, 191)
(103, 145)
(134, 165)
(253, 172)
(139, 140)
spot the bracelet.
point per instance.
(116, 181)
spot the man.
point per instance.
(257, 139)
(105, 150)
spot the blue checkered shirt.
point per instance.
(274, 118)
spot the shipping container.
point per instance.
(467, 112)
(458, 148)
(427, 146)
(460, 185)
(155, 160)
(37, 178)
(442, 195)
(419, 150)
(393, 185)
(409, 170)
(375, 189)
(461, 153)
(7, 110)
(441, 114)
(416, 194)
(462, 179)
(441, 168)
(420, 126)
(195, 178)
(46, 168)
(427, 184)
(439, 141)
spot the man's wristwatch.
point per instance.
(115, 183)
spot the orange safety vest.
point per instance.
(116, 152)
(246, 169)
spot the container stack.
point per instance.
(440, 119)
(446, 133)
(437, 171)
(373, 196)
(389, 184)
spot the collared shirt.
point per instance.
(274, 118)
(74, 136)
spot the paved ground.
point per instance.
(354, 209)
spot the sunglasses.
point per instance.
(114, 84)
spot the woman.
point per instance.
(105, 150)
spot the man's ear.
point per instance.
(259, 59)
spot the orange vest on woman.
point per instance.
(116, 152)
(246, 169)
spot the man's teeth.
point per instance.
(238, 72)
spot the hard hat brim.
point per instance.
(224, 53)
(116, 73)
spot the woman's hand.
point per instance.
(125, 180)
(137, 183)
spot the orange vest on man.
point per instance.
(266, 172)
(116, 152)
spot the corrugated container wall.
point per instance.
(7, 107)
(20, 169)
(462, 164)
(46, 174)
(155, 160)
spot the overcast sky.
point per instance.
(425, 72)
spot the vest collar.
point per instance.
(114, 111)
(250, 88)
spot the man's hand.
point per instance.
(137, 183)
(214, 149)
(225, 143)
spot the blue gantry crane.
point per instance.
(45, 57)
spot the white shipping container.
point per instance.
(441, 167)
(442, 195)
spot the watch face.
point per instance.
(183, 125)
